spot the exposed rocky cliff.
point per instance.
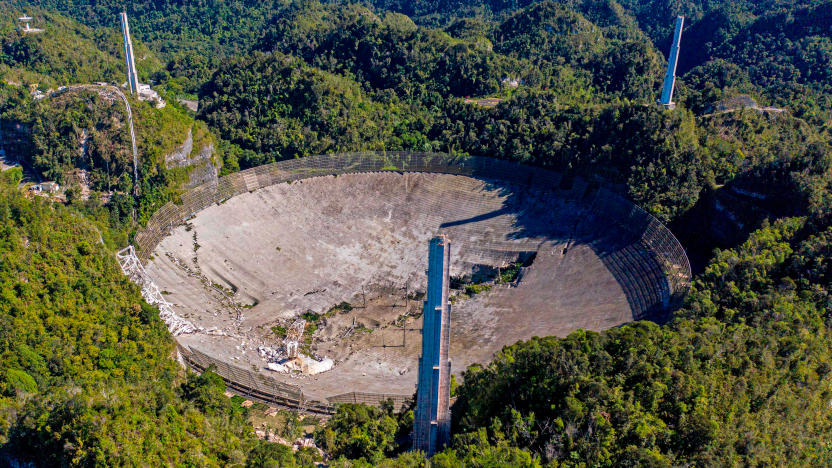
(200, 164)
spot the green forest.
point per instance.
(740, 170)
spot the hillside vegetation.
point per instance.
(87, 374)
(371, 82)
(741, 170)
(87, 130)
(66, 52)
(739, 377)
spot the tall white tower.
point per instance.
(132, 76)
(672, 59)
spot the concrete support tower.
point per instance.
(672, 60)
(432, 421)
(132, 76)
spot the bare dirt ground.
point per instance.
(263, 258)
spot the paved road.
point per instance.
(108, 90)
(774, 110)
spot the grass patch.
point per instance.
(310, 316)
(312, 320)
(510, 274)
(478, 288)
(361, 328)
(343, 308)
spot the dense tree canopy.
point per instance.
(741, 170)
(87, 374)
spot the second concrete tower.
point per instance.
(432, 421)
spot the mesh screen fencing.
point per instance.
(258, 387)
(666, 249)
(635, 267)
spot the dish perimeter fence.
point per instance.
(653, 271)
(264, 389)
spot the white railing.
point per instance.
(104, 90)
(133, 269)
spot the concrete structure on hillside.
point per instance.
(293, 336)
(144, 91)
(132, 76)
(670, 78)
(26, 28)
(46, 187)
(432, 421)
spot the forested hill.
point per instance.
(585, 104)
(772, 42)
(781, 46)
(87, 375)
(740, 377)
(741, 170)
(80, 138)
(193, 37)
(67, 52)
